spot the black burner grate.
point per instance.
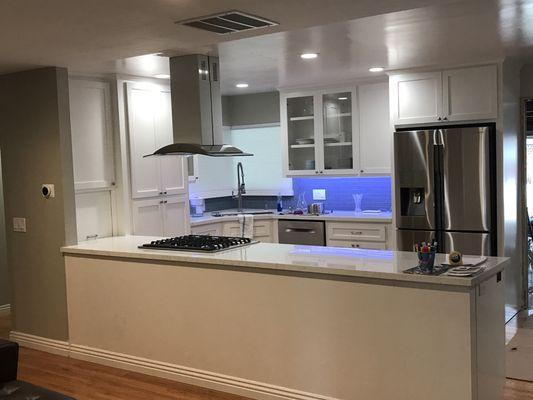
(198, 243)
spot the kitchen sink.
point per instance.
(233, 213)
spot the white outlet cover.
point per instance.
(19, 224)
(319, 194)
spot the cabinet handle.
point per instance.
(160, 193)
(165, 202)
(355, 245)
(92, 236)
(357, 233)
(160, 201)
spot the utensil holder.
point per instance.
(426, 261)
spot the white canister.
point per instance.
(197, 206)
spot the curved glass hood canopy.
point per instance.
(197, 109)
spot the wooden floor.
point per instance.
(88, 381)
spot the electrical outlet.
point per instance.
(19, 224)
(319, 194)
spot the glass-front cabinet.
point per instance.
(320, 133)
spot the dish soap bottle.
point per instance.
(279, 205)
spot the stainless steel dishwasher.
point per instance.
(301, 232)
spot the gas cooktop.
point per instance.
(203, 243)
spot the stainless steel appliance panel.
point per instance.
(467, 243)
(465, 172)
(302, 232)
(405, 239)
(414, 154)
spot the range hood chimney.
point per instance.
(197, 108)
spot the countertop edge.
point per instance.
(378, 276)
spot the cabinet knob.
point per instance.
(355, 245)
(440, 119)
(160, 201)
(165, 202)
(160, 193)
(361, 171)
(445, 118)
(316, 172)
(164, 192)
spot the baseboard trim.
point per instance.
(40, 343)
(211, 380)
(5, 310)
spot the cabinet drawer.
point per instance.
(208, 229)
(358, 245)
(357, 232)
(261, 229)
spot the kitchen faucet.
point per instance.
(241, 187)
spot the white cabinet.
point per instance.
(214, 229)
(375, 132)
(416, 98)
(92, 134)
(462, 94)
(94, 215)
(364, 235)
(263, 230)
(150, 127)
(325, 133)
(470, 93)
(168, 216)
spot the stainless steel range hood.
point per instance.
(197, 109)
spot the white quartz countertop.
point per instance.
(374, 264)
(347, 216)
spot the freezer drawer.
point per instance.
(467, 243)
(302, 232)
(405, 239)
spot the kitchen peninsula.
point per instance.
(272, 321)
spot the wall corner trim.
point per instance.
(53, 346)
(5, 310)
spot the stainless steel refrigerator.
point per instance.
(445, 188)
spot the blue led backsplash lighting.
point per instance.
(376, 192)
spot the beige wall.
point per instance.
(4, 276)
(36, 149)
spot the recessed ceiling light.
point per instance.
(343, 98)
(162, 76)
(241, 85)
(309, 56)
(376, 69)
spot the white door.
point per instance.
(375, 132)
(176, 216)
(94, 216)
(416, 98)
(92, 137)
(173, 168)
(142, 113)
(147, 217)
(471, 93)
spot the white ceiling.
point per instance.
(108, 36)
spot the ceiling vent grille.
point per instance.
(229, 22)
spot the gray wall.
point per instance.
(4, 275)
(36, 148)
(250, 109)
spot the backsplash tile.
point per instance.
(376, 192)
(376, 195)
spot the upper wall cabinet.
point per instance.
(150, 127)
(324, 132)
(92, 137)
(463, 94)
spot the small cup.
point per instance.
(426, 261)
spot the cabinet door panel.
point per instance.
(339, 142)
(375, 132)
(145, 175)
(147, 217)
(94, 215)
(176, 216)
(92, 138)
(471, 93)
(416, 98)
(173, 168)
